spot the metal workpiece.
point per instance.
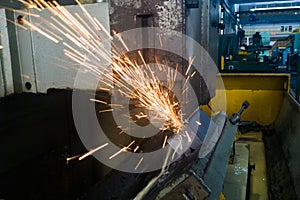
(212, 168)
(203, 131)
(191, 172)
(196, 133)
(214, 131)
(187, 186)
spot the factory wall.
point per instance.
(38, 63)
(125, 15)
(165, 14)
(6, 80)
(171, 15)
(11, 4)
(288, 131)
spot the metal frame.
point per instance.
(38, 61)
(6, 80)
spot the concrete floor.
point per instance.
(235, 183)
(258, 179)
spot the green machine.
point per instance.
(235, 56)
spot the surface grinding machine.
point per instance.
(198, 173)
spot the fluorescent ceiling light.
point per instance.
(275, 8)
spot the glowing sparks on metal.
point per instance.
(84, 45)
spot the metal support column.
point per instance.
(6, 81)
(298, 79)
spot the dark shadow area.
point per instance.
(37, 135)
(280, 183)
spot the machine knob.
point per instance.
(236, 117)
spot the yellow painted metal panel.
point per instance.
(256, 81)
(264, 92)
(264, 105)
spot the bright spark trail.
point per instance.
(93, 151)
(121, 150)
(84, 45)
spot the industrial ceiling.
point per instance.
(267, 12)
(255, 1)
